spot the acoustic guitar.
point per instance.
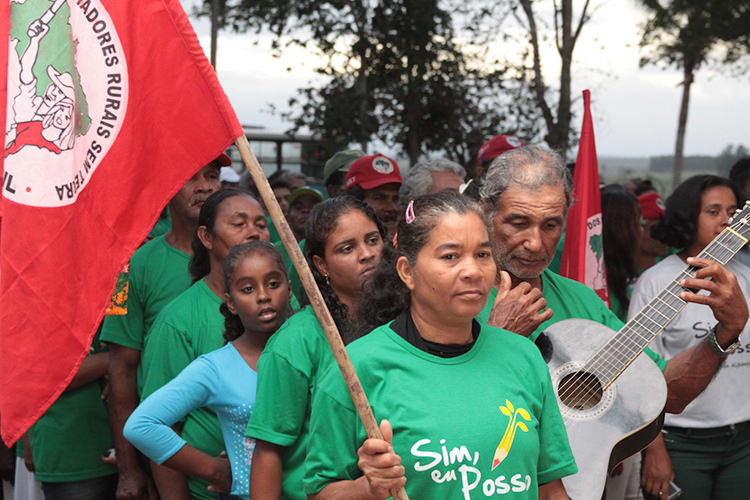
(611, 395)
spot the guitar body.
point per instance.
(604, 427)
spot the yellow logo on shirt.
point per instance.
(510, 431)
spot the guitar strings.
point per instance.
(723, 253)
(610, 368)
(608, 365)
(605, 363)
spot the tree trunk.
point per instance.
(539, 87)
(359, 10)
(558, 127)
(422, 26)
(214, 30)
(559, 136)
(363, 108)
(679, 146)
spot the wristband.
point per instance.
(717, 348)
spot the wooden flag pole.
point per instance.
(316, 299)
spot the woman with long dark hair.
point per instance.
(471, 408)
(621, 234)
(344, 240)
(709, 442)
(192, 325)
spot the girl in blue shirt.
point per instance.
(256, 303)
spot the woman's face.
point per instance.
(62, 117)
(454, 271)
(258, 293)
(352, 251)
(717, 206)
(239, 219)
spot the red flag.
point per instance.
(111, 108)
(4, 33)
(583, 254)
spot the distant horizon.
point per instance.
(634, 109)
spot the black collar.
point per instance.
(405, 327)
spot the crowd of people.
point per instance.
(218, 381)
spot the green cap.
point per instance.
(341, 161)
(301, 191)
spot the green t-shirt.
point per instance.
(570, 299)
(288, 371)
(273, 233)
(162, 226)
(480, 424)
(189, 326)
(68, 441)
(556, 262)
(297, 289)
(158, 273)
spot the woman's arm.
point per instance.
(193, 462)
(93, 367)
(266, 471)
(553, 490)
(382, 470)
(657, 467)
(358, 489)
(149, 428)
(171, 484)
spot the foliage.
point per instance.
(566, 30)
(695, 32)
(395, 73)
(729, 156)
(688, 34)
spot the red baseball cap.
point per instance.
(223, 160)
(652, 206)
(497, 146)
(369, 172)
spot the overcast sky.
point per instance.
(635, 110)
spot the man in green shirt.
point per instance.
(158, 273)
(67, 441)
(526, 194)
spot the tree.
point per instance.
(688, 34)
(395, 74)
(567, 29)
(728, 157)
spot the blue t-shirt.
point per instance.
(221, 379)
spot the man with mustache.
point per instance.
(376, 179)
(526, 194)
(158, 273)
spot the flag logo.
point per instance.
(382, 165)
(595, 278)
(64, 110)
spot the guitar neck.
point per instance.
(636, 334)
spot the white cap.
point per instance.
(227, 174)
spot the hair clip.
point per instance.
(409, 215)
(395, 240)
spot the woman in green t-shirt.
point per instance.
(344, 241)
(472, 406)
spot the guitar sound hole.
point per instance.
(580, 391)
